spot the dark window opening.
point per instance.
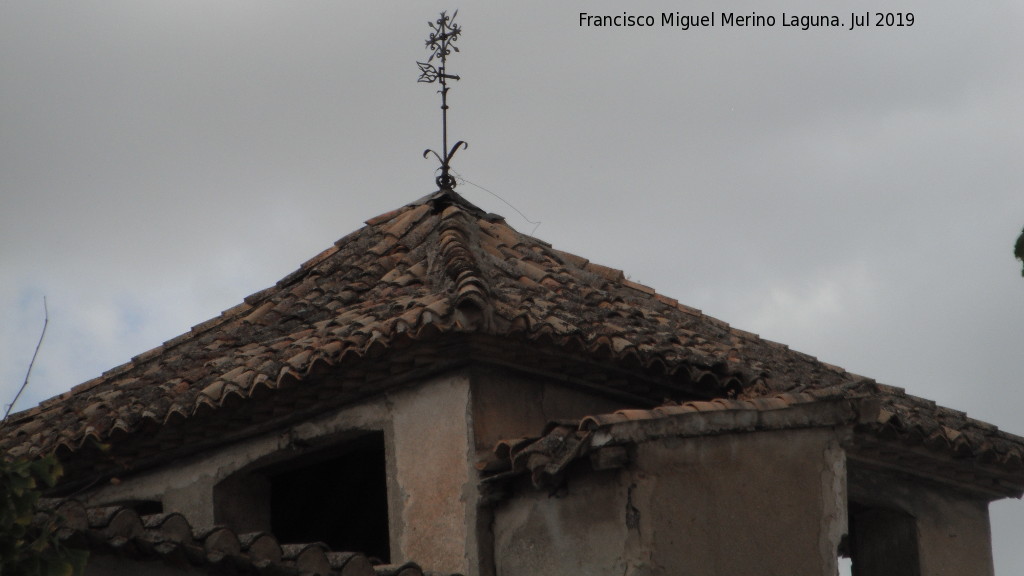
(881, 542)
(142, 507)
(338, 498)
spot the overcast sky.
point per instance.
(854, 194)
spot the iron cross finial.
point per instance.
(441, 44)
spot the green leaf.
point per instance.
(28, 547)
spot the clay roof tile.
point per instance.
(440, 268)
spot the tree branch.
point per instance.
(46, 321)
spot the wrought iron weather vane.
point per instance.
(441, 44)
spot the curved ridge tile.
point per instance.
(459, 262)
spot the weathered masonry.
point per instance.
(438, 393)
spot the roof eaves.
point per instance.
(918, 461)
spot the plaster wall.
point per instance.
(758, 504)
(435, 485)
(508, 405)
(955, 537)
(764, 503)
(582, 531)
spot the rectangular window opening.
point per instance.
(337, 496)
(881, 542)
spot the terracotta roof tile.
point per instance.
(638, 286)
(546, 457)
(605, 272)
(995, 459)
(120, 531)
(451, 277)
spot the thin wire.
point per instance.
(46, 321)
(536, 224)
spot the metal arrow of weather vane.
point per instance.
(441, 43)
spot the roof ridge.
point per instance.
(444, 198)
(471, 293)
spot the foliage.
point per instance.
(1018, 250)
(29, 541)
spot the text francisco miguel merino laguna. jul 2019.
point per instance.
(734, 20)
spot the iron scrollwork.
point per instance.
(441, 44)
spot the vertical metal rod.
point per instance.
(444, 122)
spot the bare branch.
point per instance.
(46, 321)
